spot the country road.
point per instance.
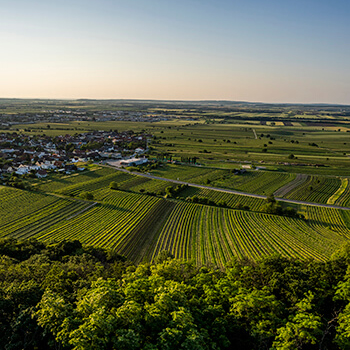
(293, 201)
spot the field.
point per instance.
(231, 200)
(140, 226)
(252, 181)
(296, 152)
(318, 189)
(212, 234)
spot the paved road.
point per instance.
(230, 191)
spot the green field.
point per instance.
(318, 189)
(140, 226)
(292, 151)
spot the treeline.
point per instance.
(270, 206)
(68, 296)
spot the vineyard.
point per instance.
(316, 189)
(140, 226)
(194, 174)
(231, 200)
(125, 218)
(95, 181)
(114, 224)
(209, 234)
(58, 182)
(259, 182)
(342, 197)
(298, 181)
(252, 181)
(35, 213)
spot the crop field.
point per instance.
(231, 200)
(140, 226)
(303, 153)
(298, 181)
(325, 219)
(316, 189)
(252, 181)
(209, 234)
(259, 182)
(94, 181)
(95, 184)
(342, 196)
(194, 174)
(35, 213)
(119, 223)
(58, 182)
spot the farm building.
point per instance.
(133, 161)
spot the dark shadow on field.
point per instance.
(328, 225)
(189, 192)
(113, 207)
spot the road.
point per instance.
(255, 134)
(230, 191)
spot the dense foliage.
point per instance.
(67, 296)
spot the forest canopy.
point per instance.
(69, 296)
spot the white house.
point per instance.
(133, 161)
(22, 170)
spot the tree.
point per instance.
(113, 185)
(270, 198)
(303, 328)
(87, 195)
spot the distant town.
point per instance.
(63, 116)
(37, 155)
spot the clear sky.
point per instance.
(252, 50)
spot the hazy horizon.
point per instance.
(252, 51)
(173, 100)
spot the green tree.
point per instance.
(302, 328)
(113, 185)
(87, 195)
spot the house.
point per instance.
(41, 174)
(133, 161)
(22, 170)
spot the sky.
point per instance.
(252, 50)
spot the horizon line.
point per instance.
(178, 100)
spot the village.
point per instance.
(38, 155)
(64, 116)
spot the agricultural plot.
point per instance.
(96, 184)
(298, 181)
(120, 223)
(209, 234)
(151, 185)
(232, 200)
(342, 196)
(193, 174)
(144, 184)
(316, 189)
(140, 226)
(326, 219)
(37, 212)
(30, 202)
(59, 182)
(259, 182)
(124, 181)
